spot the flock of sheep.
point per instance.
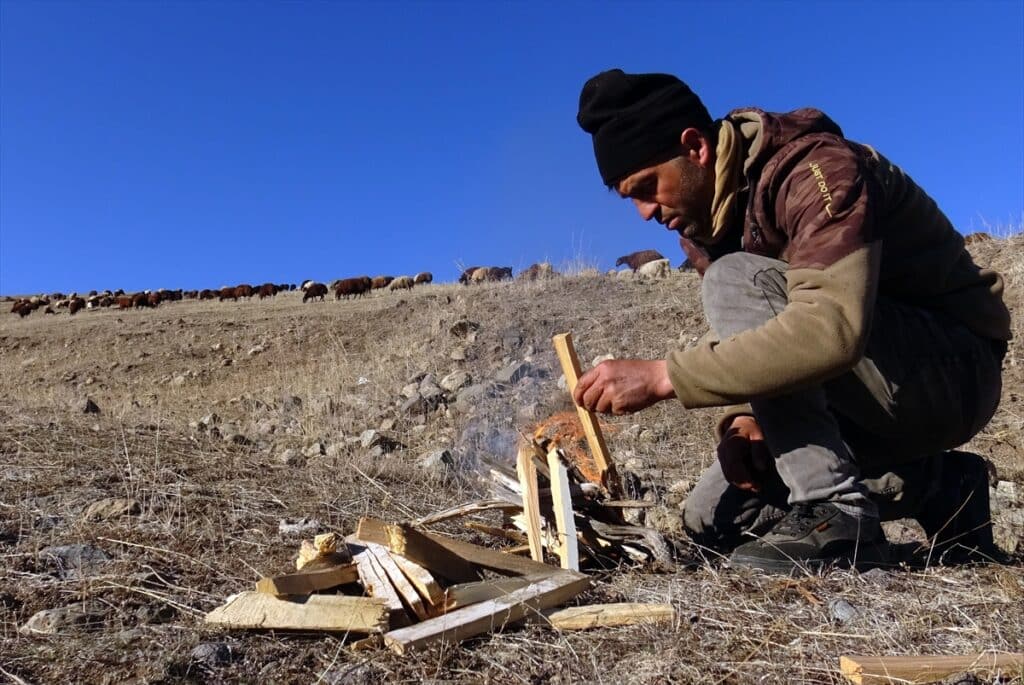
(644, 262)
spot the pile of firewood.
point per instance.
(406, 587)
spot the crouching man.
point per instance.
(854, 341)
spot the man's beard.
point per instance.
(694, 179)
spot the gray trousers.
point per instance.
(871, 440)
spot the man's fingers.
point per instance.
(582, 385)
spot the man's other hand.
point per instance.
(624, 386)
(696, 255)
(745, 459)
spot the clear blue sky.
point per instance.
(195, 144)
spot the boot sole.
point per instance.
(813, 565)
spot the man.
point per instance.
(854, 340)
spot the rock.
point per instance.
(419, 406)
(256, 349)
(1008, 530)
(178, 380)
(371, 439)
(473, 393)
(210, 654)
(511, 341)
(678, 491)
(431, 393)
(646, 437)
(335, 450)
(667, 520)
(659, 268)
(387, 424)
(515, 372)
(290, 403)
(315, 449)
(463, 328)
(1006, 492)
(427, 379)
(291, 457)
(438, 461)
(74, 561)
(70, 618)
(216, 347)
(458, 354)
(878, 577)
(563, 384)
(411, 390)
(112, 507)
(455, 381)
(227, 361)
(602, 358)
(87, 406)
(842, 611)
(303, 527)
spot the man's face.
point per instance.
(677, 194)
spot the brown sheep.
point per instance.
(23, 308)
(267, 290)
(314, 290)
(379, 282)
(75, 305)
(228, 294)
(352, 287)
(49, 310)
(537, 272)
(423, 277)
(140, 300)
(467, 274)
(243, 290)
(124, 302)
(637, 259)
(207, 294)
(492, 273)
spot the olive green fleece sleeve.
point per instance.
(820, 334)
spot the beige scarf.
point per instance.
(736, 145)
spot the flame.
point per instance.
(565, 429)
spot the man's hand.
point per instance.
(745, 459)
(696, 255)
(624, 386)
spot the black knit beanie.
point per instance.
(636, 119)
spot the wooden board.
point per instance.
(375, 582)
(308, 581)
(429, 589)
(464, 594)
(488, 616)
(503, 533)
(410, 543)
(527, 472)
(609, 615)
(373, 529)
(872, 670)
(334, 613)
(464, 509)
(595, 438)
(568, 546)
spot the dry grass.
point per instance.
(212, 508)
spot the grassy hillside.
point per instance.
(294, 386)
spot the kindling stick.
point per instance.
(595, 439)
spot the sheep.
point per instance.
(537, 272)
(75, 304)
(638, 259)
(352, 287)
(423, 277)
(659, 268)
(314, 290)
(467, 274)
(401, 283)
(492, 273)
(379, 282)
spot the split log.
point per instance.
(464, 594)
(609, 615)
(421, 579)
(626, 536)
(492, 560)
(410, 597)
(334, 613)
(527, 472)
(872, 670)
(464, 509)
(376, 583)
(489, 616)
(309, 580)
(568, 546)
(595, 438)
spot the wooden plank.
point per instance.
(503, 533)
(334, 613)
(527, 472)
(488, 616)
(410, 543)
(308, 581)
(568, 546)
(872, 670)
(595, 438)
(401, 584)
(609, 615)
(464, 509)
(464, 594)
(375, 582)
(425, 584)
(492, 560)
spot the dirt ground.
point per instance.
(221, 420)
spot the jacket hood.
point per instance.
(768, 132)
